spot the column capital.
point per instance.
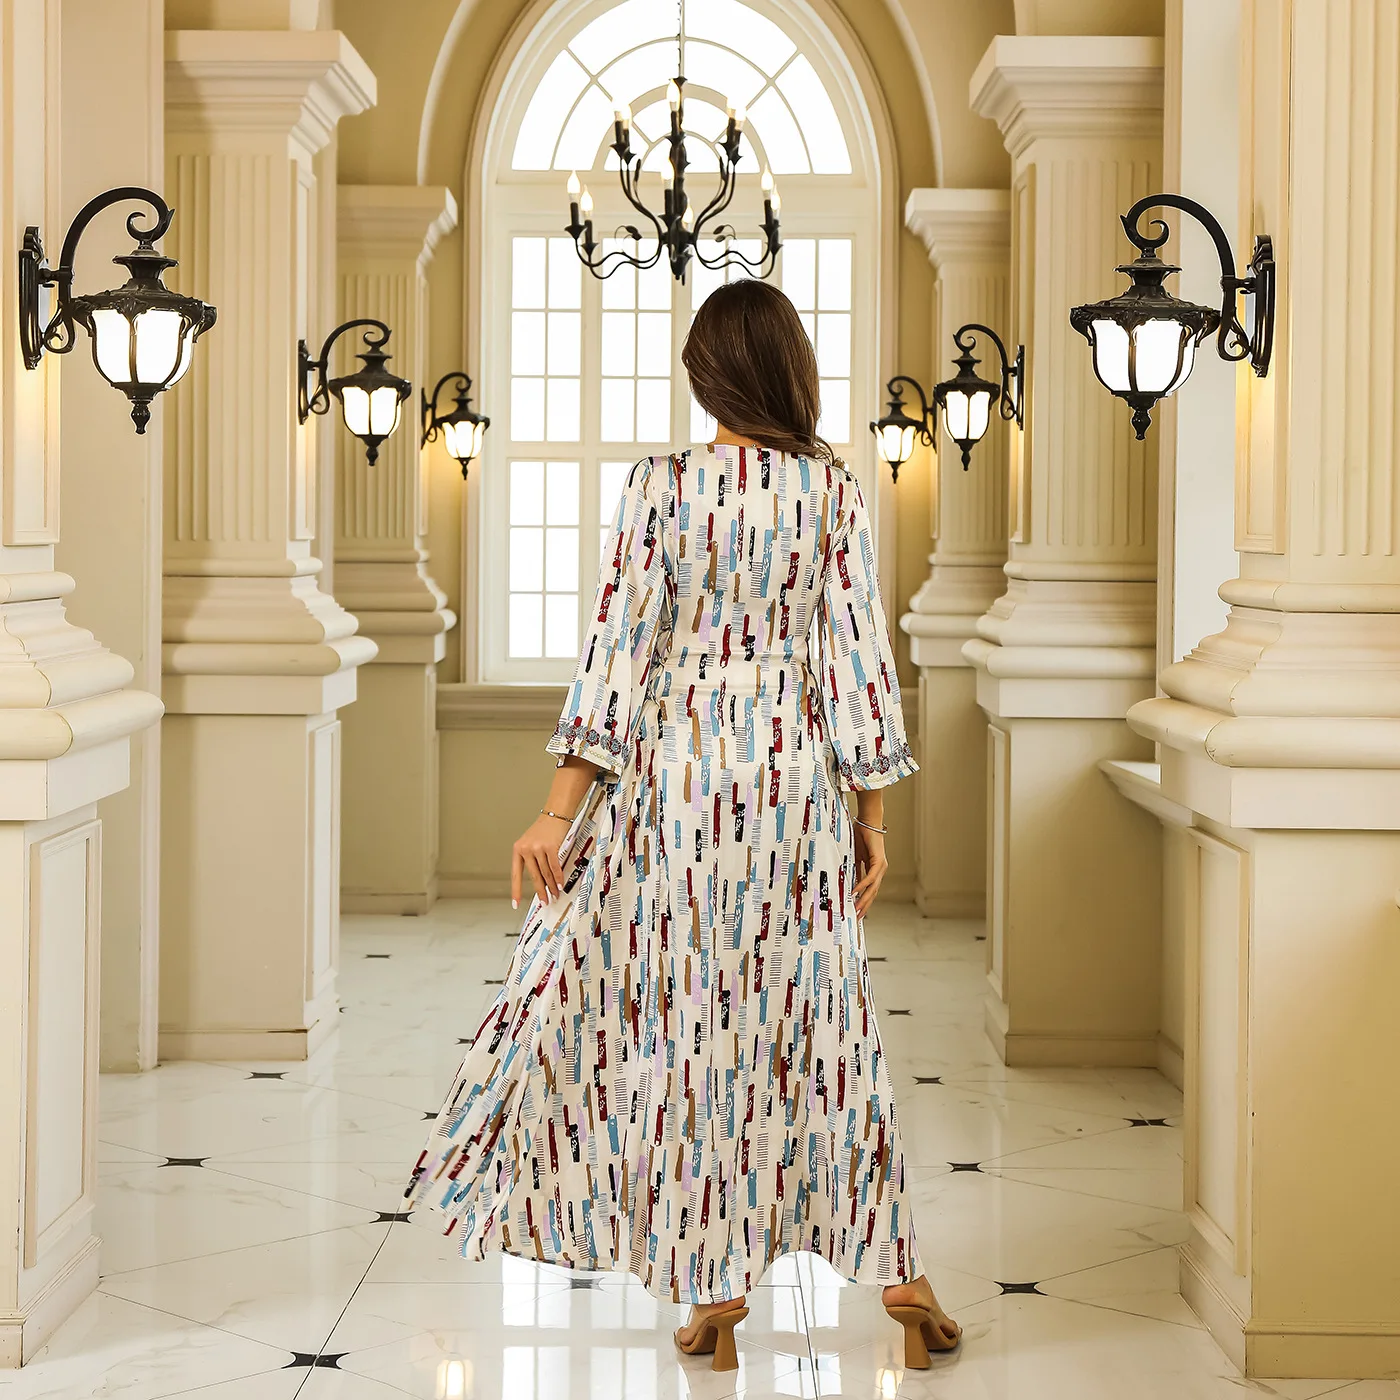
(394, 221)
(264, 83)
(1069, 85)
(961, 225)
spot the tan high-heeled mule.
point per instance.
(716, 1334)
(923, 1332)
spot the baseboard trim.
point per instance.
(951, 904)
(361, 902)
(473, 887)
(24, 1334)
(1205, 1298)
(1171, 1063)
(233, 1044)
(1067, 1051)
(1307, 1351)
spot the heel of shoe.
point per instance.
(915, 1348)
(726, 1355)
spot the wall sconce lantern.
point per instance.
(1144, 340)
(142, 333)
(966, 401)
(461, 429)
(370, 398)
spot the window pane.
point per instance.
(583, 133)
(527, 272)
(632, 22)
(563, 411)
(526, 558)
(702, 426)
(782, 142)
(619, 348)
(800, 272)
(738, 27)
(703, 280)
(527, 493)
(835, 425)
(834, 344)
(564, 342)
(620, 287)
(809, 324)
(722, 70)
(653, 410)
(561, 624)
(526, 617)
(639, 71)
(527, 342)
(834, 275)
(561, 494)
(816, 116)
(527, 409)
(654, 286)
(617, 411)
(654, 342)
(564, 279)
(561, 84)
(612, 477)
(561, 559)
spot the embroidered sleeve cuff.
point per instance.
(886, 767)
(580, 741)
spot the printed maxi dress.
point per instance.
(682, 1075)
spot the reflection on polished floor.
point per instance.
(253, 1250)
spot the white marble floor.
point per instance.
(252, 1249)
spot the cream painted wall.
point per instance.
(1089, 16)
(429, 78)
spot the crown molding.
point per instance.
(394, 221)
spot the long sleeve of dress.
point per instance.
(604, 702)
(857, 681)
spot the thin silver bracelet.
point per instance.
(881, 829)
(558, 816)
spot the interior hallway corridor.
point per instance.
(253, 1249)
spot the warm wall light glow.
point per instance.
(454, 1380)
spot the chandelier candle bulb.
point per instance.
(673, 95)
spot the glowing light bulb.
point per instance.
(623, 113)
(739, 112)
(767, 180)
(574, 186)
(777, 202)
(673, 94)
(689, 216)
(670, 171)
(586, 203)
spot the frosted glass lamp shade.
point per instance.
(895, 443)
(371, 400)
(966, 415)
(463, 440)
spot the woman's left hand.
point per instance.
(871, 866)
(536, 853)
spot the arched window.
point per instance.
(577, 372)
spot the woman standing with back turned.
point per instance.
(682, 1075)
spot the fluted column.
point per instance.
(387, 236)
(257, 658)
(967, 234)
(66, 724)
(1073, 898)
(1282, 735)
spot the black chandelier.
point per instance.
(462, 428)
(1144, 340)
(966, 401)
(142, 333)
(370, 398)
(678, 229)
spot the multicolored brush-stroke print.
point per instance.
(682, 1075)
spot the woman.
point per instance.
(682, 1074)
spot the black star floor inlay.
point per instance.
(378, 955)
(583, 1283)
(927, 1079)
(394, 1217)
(267, 1074)
(184, 1161)
(877, 959)
(905, 1012)
(330, 1360)
(1147, 1122)
(464, 1040)
(495, 981)
(981, 937)
(427, 1115)
(966, 1166)
(1019, 1288)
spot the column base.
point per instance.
(24, 1334)
(404, 904)
(254, 1042)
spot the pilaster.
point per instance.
(66, 723)
(1281, 734)
(387, 237)
(257, 657)
(968, 237)
(1074, 879)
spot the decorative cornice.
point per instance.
(260, 82)
(1141, 784)
(1037, 86)
(961, 225)
(394, 221)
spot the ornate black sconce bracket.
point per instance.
(461, 427)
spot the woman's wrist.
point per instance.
(558, 816)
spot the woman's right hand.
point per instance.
(536, 853)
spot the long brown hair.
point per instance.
(753, 369)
